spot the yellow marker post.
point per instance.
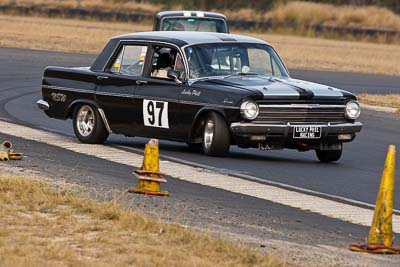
(380, 237)
(149, 175)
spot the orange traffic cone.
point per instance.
(149, 175)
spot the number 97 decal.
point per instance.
(155, 113)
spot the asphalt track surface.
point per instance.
(356, 176)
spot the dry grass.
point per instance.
(290, 18)
(389, 100)
(323, 54)
(247, 14)
(297, 52)
(61, 34)
(40, 226)
(307, 13)
(131, 6)
(301, 13)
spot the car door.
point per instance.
(116, 87)
(158, 98)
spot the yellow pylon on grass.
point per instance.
(4, 155)
(149, 175)
(380, 237)
(4, 148)
(6, 152)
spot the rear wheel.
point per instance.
(329, 155)
(216, 137)
(88, 125)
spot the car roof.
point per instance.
(182, 38)
(187, 13)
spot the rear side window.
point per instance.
(130, 60)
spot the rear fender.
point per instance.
(70, 110)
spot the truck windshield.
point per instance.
(207, 60)
(194, 24)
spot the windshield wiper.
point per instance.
(205, 78)
(241, 74)
(221, 77)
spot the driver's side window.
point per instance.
(130, 60)
(165, 60)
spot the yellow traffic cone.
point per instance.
(149, 175)
(4, 155)
(380, 237)
(4, 148)
(6, 145)
(14, 155)
(6, 152)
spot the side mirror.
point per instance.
(173, 74)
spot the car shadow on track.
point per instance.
(195, 153)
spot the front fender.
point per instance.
(198, 120)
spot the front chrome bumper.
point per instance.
(248, 128)
(43, 104)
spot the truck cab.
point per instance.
(198, 21)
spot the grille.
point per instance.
(301, 113)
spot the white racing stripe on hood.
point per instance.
(285, 87)
(277, 90)
(319, 90)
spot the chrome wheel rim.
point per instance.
(85, 120)
(208, 133)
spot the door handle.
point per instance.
(141, 82)
(102, 78)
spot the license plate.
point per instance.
(307, 132)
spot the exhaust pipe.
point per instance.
(302, 147)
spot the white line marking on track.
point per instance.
(326, 207)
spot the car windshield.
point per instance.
(207, 60)
(194, 24)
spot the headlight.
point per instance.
(249, 109)
(352, 110)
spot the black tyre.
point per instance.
(88, 125)
(216, 137)
(329, 155)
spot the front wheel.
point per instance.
(88, 125)
(329, 155)
(216, 137)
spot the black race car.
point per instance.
(212, 89)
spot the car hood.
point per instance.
(272, 87)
